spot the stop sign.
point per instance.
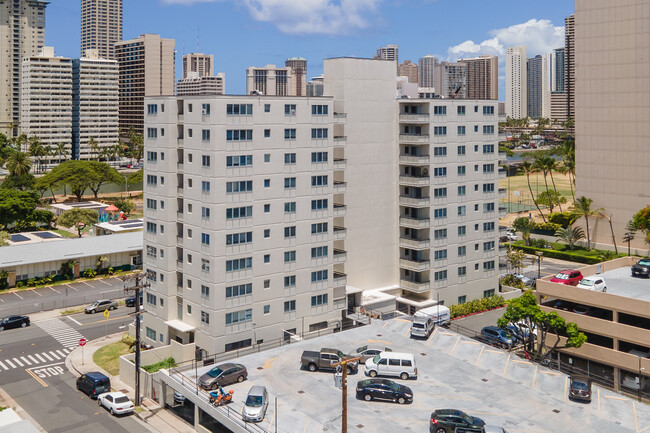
(82, 342)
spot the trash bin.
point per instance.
(338, 379)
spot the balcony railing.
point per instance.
(340, 140)
(418, 118)
(416, 244)
(503, 211)
(414, 138)
(414, 265)
(339, 232)
(340, 164)
(502, 192)
(414, 180)
(414, 201)
(415, 286)
(340, 279)
(340, 117)
(180, 142)
(340, 186)
(414, 222)
(414, 159)
(339, 209)
(503, 174)
(340, 256)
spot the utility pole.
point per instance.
(137, 289)
(344, 390)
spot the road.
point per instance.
(32, 371)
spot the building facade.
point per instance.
(23, 35)
(202, 64)
(298, 67)
(516, 83)
(560, 70)
(315, 86)
(409, 70)
(427, 70)
(389, 52)
(146, 67)
(534, 86)
(482, 77)
(570, 64)
(195, 85)
(453, 80)
(270, 81)
(101, 26)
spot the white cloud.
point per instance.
(331, 17)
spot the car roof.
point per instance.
(257, 390)
(115, 394)
(448, 412)
(366, 382)
(225, 366)
(96, 375)
(580, 377)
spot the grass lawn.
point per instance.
(65, 234)
(108, 356)
(519, 183)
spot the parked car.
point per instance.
(422, 326)
(452, 420)
(179, 398)
(223, 374)
(569, 277)
(255, 405)
(564, 305)
(324, 359)
(93, 384)
(501, 337)
(366, 353)
(580, 388)
(117, 403)
(130, 302)
(521, 331)
(14, 322)
(384, 389)
(641, 268)
(524, 279)
(101, 305)
(400, 365)
(593, 283)
(582, 309)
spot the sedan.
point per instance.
(366, 353)
(500, 337)
(223, 374)
(101, 305)
(14, 322)
(570, 277)
(384, 389)
(641, 268)
(580, 388)
(117, 402)
(593, 283)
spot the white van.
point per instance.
(439, 313)
(422, 326)
(400, 365)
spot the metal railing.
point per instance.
(74, 300)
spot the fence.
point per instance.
(74, 300)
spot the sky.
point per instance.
(243, 33)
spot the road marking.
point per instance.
(105, 320)
(550, 373)
(10, 363)
(35, 291)
(83, 282)
(102, 281)
(506, 367)
(38, 379)
(435, 331)
(616, 398)
(447, 333)
(25, 360)
(384, 325)
(66, 350)
(75, 320)
(267, 364)
(402, 320)
(566, 382)
(72, 287)
(380, 341)
(2, 300)
(39, 357)
(534, 376)
(20, 364)
(53, 289)
(406, 331)
(520, 362)
(18, 295)
(306, 425)
(60, 353)
(636, 421)
(454, 348)
(47, 356)
(480, 354)
(598, 401)
(3, 366)
(54, 355)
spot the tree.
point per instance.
(136, 144)
(611, 228)
(550, 199)
(630, 234)
(570, 235)
(38, 151)
(80, 218)
(94, 146)
(61, 150)
(548, 165)
(527, 168)
(18, 163)
(127, 206)
(525, 226)
(607, 255)
(102, 173)
(582, 209)
(18, 208)
(4, 237)
(83, 175)
(525, 310)
(23, 182)
(515, 258)
(101, 264)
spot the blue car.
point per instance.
(498, 337)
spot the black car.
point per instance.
(93, 384)
(580, 388)
(453, 420)
(384, 389)
(641, 268)
(14, 322)
(130, 302)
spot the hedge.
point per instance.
(571, 256)
(477, 306)
(166, 363)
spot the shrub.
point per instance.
(569, 255)
(19, 284)
(166, 363)
(512, 281)
(31, 282)
(565, 219)
(128, 340)
(538, 243)
(89, 273)
(476, 306)
(547, 228)
(110, 270)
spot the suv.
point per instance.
(93, 384)
(498, 337)
(101, 305)
(641, 268)
(452, 420)
(570, 277)
(130, 302)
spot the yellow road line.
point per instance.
(475, 343)
(384, 325)
(388, 343)
(402, 320)
(520, 362)
(447, 333)
(550, 373)
(406, 332)
(534, 376)
(433, 334)
(566, 383)
(506, 367)
(306, 425)
(480, 354)
(495, 351)
(106, 320)
(636, 421)
(267, 364)
(454, 348)
(38, 379)
(616, 398)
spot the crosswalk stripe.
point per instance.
(60, 353)
(48, 358)
(54, 355)
(10, 363)
(20, 364)
(61, 332)
(25, 360)
(3, 366)
(66, 350)
(33, 359)
(39, 357)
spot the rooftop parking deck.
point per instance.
(453, 372)
(621, 282)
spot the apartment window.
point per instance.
(318, 133)
(319, 110)
(205, 135)
(439, 130)
(488, 293)
(205, 160)
(488, 266)
(205, 265)
(476, 210)
(289, 109)
(152, 251)
(267, 157)
(476, 108)
(267, 108)
(267, 233)
(151, 299)
(462, 210)
(461, 170)
(462, 271)
(440, 171)
(239, 134)
(205, 186)
(488, 168)
(462, 251)
(239, 264)
(205, 318)
(476, 167)
(318, 228)
(239, 238)
(189, 134)
(440, 192)
(152, 156)
(239, 316)
(267, 208)
(319, 204)
(239, 109)
(205, 239)
(462, 190)
(189, 311)
(439, 110)
(319, 276)
(205, 291)
(239, 161)
(290, 134)
(151, 334)
(475, 128)
(488, 227)
(488, 109)
(460, 110)
(488, 129)
(289, 256)
(289, 183)
(290, 232)
(289, 158)
(440, 276)
(488, 246)
(205, 109)
(290, 207)
(239, 212)
(267, 258)
(488, 207)
(319, 157)
(289, 306)
(267, 134)
(317, 252)
(290, 281)
(439, 151)
(241, 186)
(476, 187)
(152, 133)
(319, 180)
(440, 255)
(152, 228)
(488, 187)
(440, 234)
(152, 204)
(488, 148)
(461, 150)
(319, 300)
(267, 183)
(152, 180)
(440, 213)
(267, 309)
(152, 109)
(205, 212)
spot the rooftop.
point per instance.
(621, 282)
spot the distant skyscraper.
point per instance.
(195, 85)
(516, 92)
(560, 69)
(548, 83)
(146, 69)
(315, 86)
(409, 70)
(482, 77)
(570, 63)
(298, 67)
(534, 86)
(427, 71)
(22, 34)
(452, 81)
(270, 80)
(389, 52)
(101, 26)
(202, 64)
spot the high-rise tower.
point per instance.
(516, 86)
(101, 26)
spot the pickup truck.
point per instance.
(315, 361)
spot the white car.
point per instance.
(593, 283)
(117, 402)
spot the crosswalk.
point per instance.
(61, 332)
(34, 359)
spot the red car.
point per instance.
(570, 277)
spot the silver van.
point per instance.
(255, 405)
(400, 365)
(422, 326)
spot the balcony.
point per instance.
(414, 138)
(414, 180)
(503, 229)
(340, 140)
(340, 164)
(502, 173)
(502, 192)
(340, 186)
(179, 215)
(414, 118)
(340, 118)
(415, 265)
(179, 240)
(503, 212)
(181, 118)
(179, 265)
(340, 279)
(340, 256)
(414, 160)
(414, 286)
(180, 142)
(416, 223)
(179, 167)
(416, 244)
(414, 201)
(179, 190)
(339, 209)
(340, 232)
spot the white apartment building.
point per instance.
(95, 105)
(270, 80)
(516, 82)
(46, 98)
(195, 84)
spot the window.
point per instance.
(476, 108)
(267, 157)
(267, 309)
(318, 228)
(488, 266)
(290, 232)
(205, 135)
(440, 213)
(290, 134)
(205, 318)
(239, 316)
(290, 281)
(488, 168)
(289, 256)
(152, 109)
(205, 160)
(239, 161)
(267, 134)
(239, 264)
(151, 299)
(319, 204)
(488, 207)
(152, 180)
(488, 187)
(267, 108)
(267, 258)
(239, 238)
(462, 271)
(239, 109)
(289, 306)
(488, 293)
(462, 190)
(205, 212)
(289, 158)
(488, 246)
(317, 252)
(267, 208)
(205, 239)
(439, 151)
(152, 204)
(461, 150)
(318, 133)
(488, 129)
(462, 251)
(440, 255)
(476, 209)
(152, 133)
(267, 233)
(440, 234)
(290, 207)
(239, 212)
(462, 210)
(319, 110)
(241, 186)
(319, 157)
(439, 110)
(461, 170)
(439, 130)
(440, 276)
(488, 148)
(267, 183)
(440, 171)
(319, 180)
(289, 109)
(488, 227)
(440, 192)
(460, 110)
(189, 311)
(205, 291)
(205, 109)
(152, 156)
(289, 182)
(189, 134)
(205, 186)
(475, 128)
(488, 109)
(319, 276)
(151, 334)
(319, 300)
(152, 251)
(462, 230)
(152, 228)
(239, 134)
(205, 265)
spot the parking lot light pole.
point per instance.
(539, 263)
(640, 378)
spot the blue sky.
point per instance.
(242, 33)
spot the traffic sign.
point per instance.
(82, 342)
(106, 313)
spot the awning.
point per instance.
(179, 326)
(417, 303)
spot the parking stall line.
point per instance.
(506, 367)
(480, 354)
(18, 295)
(36, 291)
(72, 287)
(535, 376)
(102, 281)
(3, 366)
(41, 359)
(455, 344)
(435, 331)
(598, 400)
(54, 290)
(25, 360)
(306, 425)
(20, 364)
(2, 300)
(46, 356)
(89, 285)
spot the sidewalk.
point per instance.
(6, 400)
(153, 416)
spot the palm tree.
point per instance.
(611, 228)
(94, 146)
(540, 166)
(548, 165)
(582, 208)
(18, 164)
(61, 151)
(630, 233)
(570, 235)
(527, 168)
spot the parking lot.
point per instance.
(620, 282)
(453, 372)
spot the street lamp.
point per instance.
(539, 263)
(126, 184)
(640, 378)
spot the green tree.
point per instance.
(570, 235)
(61, 150)
(550, 199)
(582, 209)
(38, 151)
(94, 147)
(18, 163)
(4, 237)
(127, 206)
(548, 165)
(525, 226)
(136, 144)
(74, 173)
(525, 310)
(630, 234)
(607, 255)
(19, 208)
(527, 168)
(102, 174)
(80, 218)
(515, 259)
(23, 182)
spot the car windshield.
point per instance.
(644, 262)
(394, 386)
(341, 354)
(215, 372)
(376, 359)
(580, 385)
(123, 399)
(254, 401)
(467, 418)
(586, 282)
(562, 276)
